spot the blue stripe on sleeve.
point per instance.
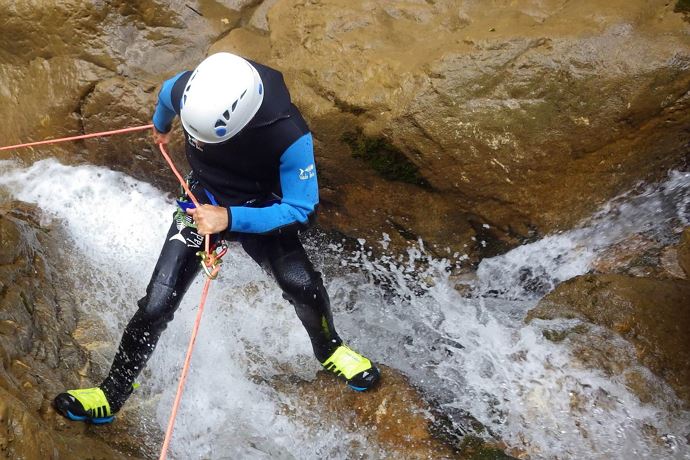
(300, 193)
(165, 114)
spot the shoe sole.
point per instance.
(95, 421)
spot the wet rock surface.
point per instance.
(653, 314)
(472, 127)
(497, 123)
(39, 357)
(522, 117)
(394, 416)
(683, 252)
(70, 67)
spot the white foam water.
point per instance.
(469, 353)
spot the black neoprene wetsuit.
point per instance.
(269, 158)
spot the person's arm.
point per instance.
(165, 114)
(300, 194)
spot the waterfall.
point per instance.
(468, 350)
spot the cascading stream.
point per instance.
(469, 353)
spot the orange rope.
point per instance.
(202, 301)
(74, 138)
(178, 175)
(185, 369)
(187, 191)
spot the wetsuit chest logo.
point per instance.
(307, 173)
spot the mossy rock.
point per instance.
(682, 6)
(556, 336)
(475, 448)
(384, 158)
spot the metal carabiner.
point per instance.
(210, 262)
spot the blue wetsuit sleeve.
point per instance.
(165, 114)
(300, 194)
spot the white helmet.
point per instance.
(221, 97)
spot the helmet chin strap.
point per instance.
(196, 143)
(200, 144)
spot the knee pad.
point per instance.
(158, 306)
(302, 287)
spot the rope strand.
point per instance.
(185, 370)
(190, 348)
(189, 193)
(75, 138)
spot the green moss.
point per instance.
(560, 335)
(682, 6)
(384, 158)
(475, 448)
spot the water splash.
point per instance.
(470, 352)
(474, 353)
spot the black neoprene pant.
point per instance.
(282, 255)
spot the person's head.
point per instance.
(221, 97)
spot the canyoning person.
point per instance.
(253, 172)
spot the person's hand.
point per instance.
(161, 138)
(209, 219)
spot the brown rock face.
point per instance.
(70, 67)
(684, 252)
(442, 120)
(653, 314)
(393, 415)
(38, 357)
(523, 116)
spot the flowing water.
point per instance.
(468, 352)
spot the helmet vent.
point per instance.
(234, 104)
(226, 115)
(187, 88)
(261, 89)
(219, 122)
(243, 93)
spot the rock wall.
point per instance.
(472, 125)
(503, 119)
(394, 416)
(38, 356)
(70, 67)
(648, 306)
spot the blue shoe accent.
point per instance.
(76, 418)
(357, 388)
(95, 421)
(102, 420)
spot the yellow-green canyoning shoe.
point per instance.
(85, 405)
(357, 370)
